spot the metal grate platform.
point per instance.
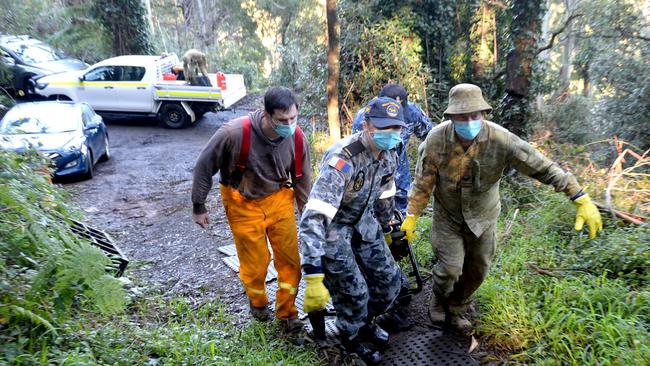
(233, 263)
(100, 239)
(432, 348)
(228, 250)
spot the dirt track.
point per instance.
(141, 197)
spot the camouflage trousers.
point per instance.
(463, 260)
(363, 280)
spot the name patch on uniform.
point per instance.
(385, 179)
(358, 181)
(339, 164)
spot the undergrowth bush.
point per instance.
(589, 303)
(624, 253)
(47, 274)
(176, 332)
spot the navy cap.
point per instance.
(385, 112)
(397, 92)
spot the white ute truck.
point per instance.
(134, 85)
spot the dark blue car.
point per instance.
(69, 133)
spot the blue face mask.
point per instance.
(284, 130)
(386, 140)
(468, 130)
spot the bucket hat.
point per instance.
(466, 98)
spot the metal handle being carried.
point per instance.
(400, 249)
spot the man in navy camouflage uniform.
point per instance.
(342, 226)
(416, 122)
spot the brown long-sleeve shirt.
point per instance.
(270, 164)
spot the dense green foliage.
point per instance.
(125, 21)
(47, 274)
(378, 50)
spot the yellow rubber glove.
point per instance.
(408, 226)
(587, 212)
(316, 294)
(388, 238)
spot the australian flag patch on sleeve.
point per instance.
(339, 164)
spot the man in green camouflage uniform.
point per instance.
(342, 230)
(462, 161)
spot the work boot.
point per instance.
(369, 356)
(293, 331)
(291, 326)
(373, 333)
(395, 321)
(436, 310)
(461, 323)
(262, 314)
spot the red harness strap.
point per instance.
(245, 144)
(297, 161)
(242, 160)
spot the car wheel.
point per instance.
(173, 115)
(90, 171)
(107, 150)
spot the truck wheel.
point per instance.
(173, 115)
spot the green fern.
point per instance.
(31, 316)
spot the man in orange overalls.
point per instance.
(258, 196)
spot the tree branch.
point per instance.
(541, 271)
(620, 34)
(558, 32)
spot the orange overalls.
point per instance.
(251, 222)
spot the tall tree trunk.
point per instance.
(126, 22)
(147, 5)
(481, 42)
(203, 35)
(187, 8)
(525, 29)
(333, 29)
(567, 52)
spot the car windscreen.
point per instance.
(34, 53)
(37, 119)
